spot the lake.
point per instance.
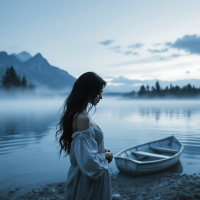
(29, 153)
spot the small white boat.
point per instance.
(150, 157)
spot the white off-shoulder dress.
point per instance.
(88, 177)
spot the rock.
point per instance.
(182, 196)
(36, 190)
(173, 187)
(53, 190)
(116, 196)
(197, 185)
(41, 192)
(12, 192)
(60, 184)
(144, 193)
(196, 190)
(61, 190)
(197, 195)
(192, 187)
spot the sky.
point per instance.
(142, 40)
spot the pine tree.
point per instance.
(158, 86)
(14, 79)
(153, 89)
(142, 91)
(6, 79)
(10, 79)
(24, 82)
(147, 88)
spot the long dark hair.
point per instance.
(85, 88)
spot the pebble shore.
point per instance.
(166, 186)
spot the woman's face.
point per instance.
(97, 98)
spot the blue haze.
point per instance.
(29, 153)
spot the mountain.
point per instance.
(37, 71)
(23, 56)
(122, 84)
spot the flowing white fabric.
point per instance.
(88, 177)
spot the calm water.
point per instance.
(29, 153)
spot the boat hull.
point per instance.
(134, 168)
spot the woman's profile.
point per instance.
(81, 138)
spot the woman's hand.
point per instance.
(108, 155)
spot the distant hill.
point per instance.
(23, 56)
(127, 85)
(37, 70)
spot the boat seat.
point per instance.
(150, 154)
(160, 149)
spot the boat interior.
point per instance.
(157, 150)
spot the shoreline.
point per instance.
(164, 186)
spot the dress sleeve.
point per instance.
(91, 163)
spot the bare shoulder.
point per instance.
(81, 123)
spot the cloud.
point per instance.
(109, 77)
(175, 55)
(127, 52)
(170, 56)
(151, 59)
(164, 58)
(116, 48)
(106, 42)
(115, 84)
(168, 44)
(187, 72)
(188, 43)
(135, 53)
(136, 45)
(137, 84)
(121, 79)
(157, 50)
(157, 44)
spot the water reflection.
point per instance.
(22, 124)
(27, 139)
(171, 112)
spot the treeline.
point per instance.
(12, 81)
(172, 91)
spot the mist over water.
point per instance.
(29, 153)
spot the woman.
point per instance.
(80, 137)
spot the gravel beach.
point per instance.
(125, 187)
